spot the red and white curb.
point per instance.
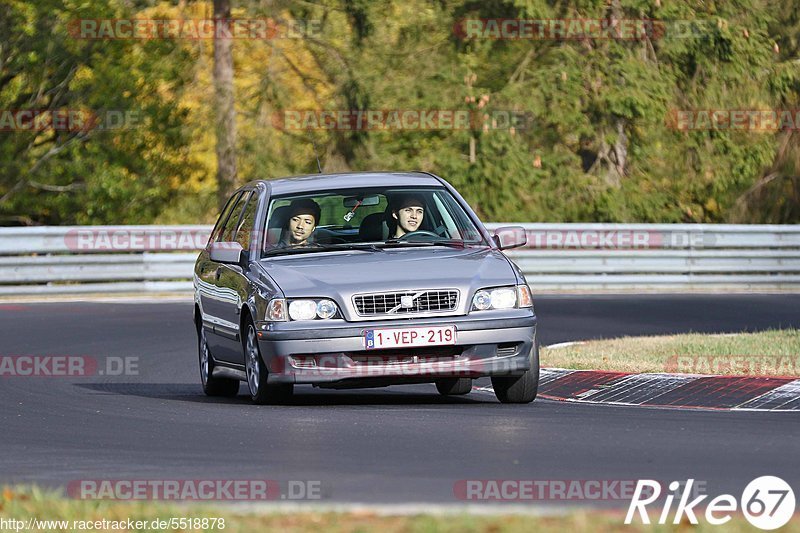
(735, 393)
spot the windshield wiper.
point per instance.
(290, 250)
(452, 243)
(353, 246)
(370, 246)
(311, 248)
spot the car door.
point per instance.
(206, 269)
(232, 283)
(214, 294)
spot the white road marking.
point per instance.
(564, 345)
(777, 398)
(411, 509)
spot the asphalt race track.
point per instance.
(397, 445)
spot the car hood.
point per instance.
(340, 275)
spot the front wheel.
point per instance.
(260, 392)
(519, 389)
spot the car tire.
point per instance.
(519, 389)
(260, 392)
(212, 386)
(454, 386)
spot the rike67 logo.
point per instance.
(767, 503)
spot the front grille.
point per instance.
(421, 301)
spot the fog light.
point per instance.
(303, 362)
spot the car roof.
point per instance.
(314, 182)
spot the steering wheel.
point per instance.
(419, 232)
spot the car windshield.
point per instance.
(369, 219)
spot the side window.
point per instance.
(226, 211)
(245, 229)
(447, 219)
(228, 230)
(465, 228)
(276, 220)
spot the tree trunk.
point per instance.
(472, 156)
(621, 149)
(619, 152)
(224, 103)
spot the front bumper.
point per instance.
(333, 354)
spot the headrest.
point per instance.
(373, 228)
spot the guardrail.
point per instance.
(666, 257)
(612, 257)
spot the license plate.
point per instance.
(409, 337)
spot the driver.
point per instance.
(303, 219)
(408, 212)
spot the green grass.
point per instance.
(25, 503)
(769, 353)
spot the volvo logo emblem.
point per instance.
(406, 302)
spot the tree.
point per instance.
(103, 173)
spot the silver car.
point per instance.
(361, 280)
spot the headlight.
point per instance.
(502, 298)
(312, 309)
(326, 309)
(482, 300)
(303, 310)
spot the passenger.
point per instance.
(303, 219)
(409, 212)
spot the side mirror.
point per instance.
(230, 253)
(510, 237)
